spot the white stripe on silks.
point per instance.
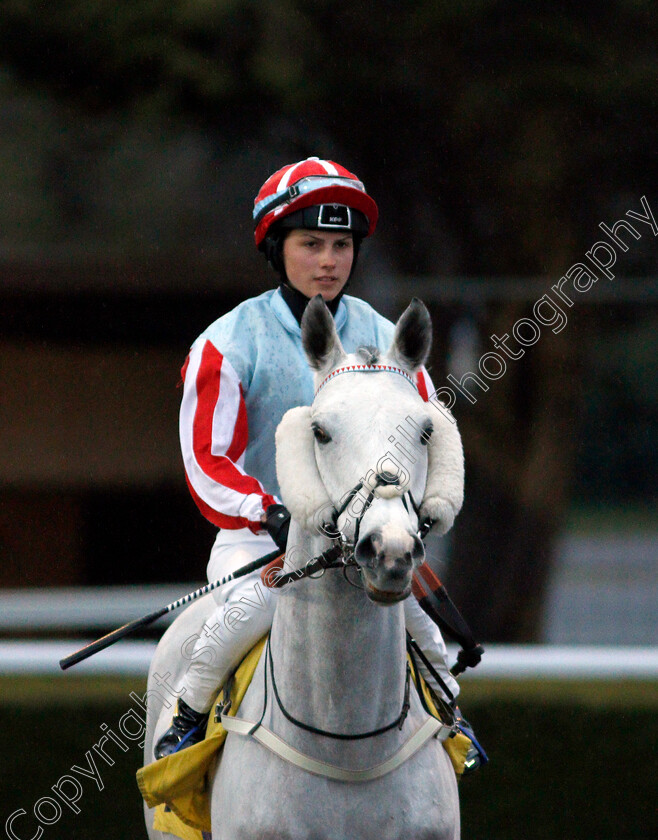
(331, 169)
(217, 496)
(283, 183)
(225, 414)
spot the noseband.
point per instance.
(342, 553)
(382, 479)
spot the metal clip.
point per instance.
(222, 708)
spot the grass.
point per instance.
(603, 519)
(569, 759)
(67, 690)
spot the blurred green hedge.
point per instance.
(556, 772)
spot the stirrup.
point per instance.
(476, 757)
(187, 728)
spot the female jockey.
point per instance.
(241, 376)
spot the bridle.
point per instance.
(398, 722)
(341, 554)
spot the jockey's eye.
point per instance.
(426, 434)
(320, 435)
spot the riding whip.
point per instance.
(115, 635)
(432, 596)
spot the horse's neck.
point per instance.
(339, 659)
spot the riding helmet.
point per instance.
(313, 194)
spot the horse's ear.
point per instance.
(413, 336)
(319, 337)
(444, 489)
(302, 490)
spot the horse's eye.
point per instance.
(426, 434)
(320, 435)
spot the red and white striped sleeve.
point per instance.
(214, 434)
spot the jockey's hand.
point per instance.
(277, 523)
(425, 526)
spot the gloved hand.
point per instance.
(277, 524)
(424, 527)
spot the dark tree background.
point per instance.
(495, 137)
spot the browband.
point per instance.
(365, 369)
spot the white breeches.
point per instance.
(244, 612)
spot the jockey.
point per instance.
(241, 376)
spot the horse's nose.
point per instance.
(394, 558)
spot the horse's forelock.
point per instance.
(368, 355)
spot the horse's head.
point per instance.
(370, 456)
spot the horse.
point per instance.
(332, 686)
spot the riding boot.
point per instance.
(187, 728)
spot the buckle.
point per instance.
(222, 708)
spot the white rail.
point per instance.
(132, 658)
(98, 609)
(85, 607)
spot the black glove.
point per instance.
(277, 524)
(424, 527)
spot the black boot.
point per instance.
(188, 727)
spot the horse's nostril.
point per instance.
(368, 550)
(371, 553)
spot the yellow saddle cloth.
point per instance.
(178, 784)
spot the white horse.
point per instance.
(336, 662)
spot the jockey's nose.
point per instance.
(327, 257)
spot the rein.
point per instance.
(398, 722)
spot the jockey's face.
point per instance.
(318, 262)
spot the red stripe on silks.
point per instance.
(241, 433)
(422, 388)
(218, 467)
(223, 520)
(183, 370)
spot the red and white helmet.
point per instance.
(312, 183)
